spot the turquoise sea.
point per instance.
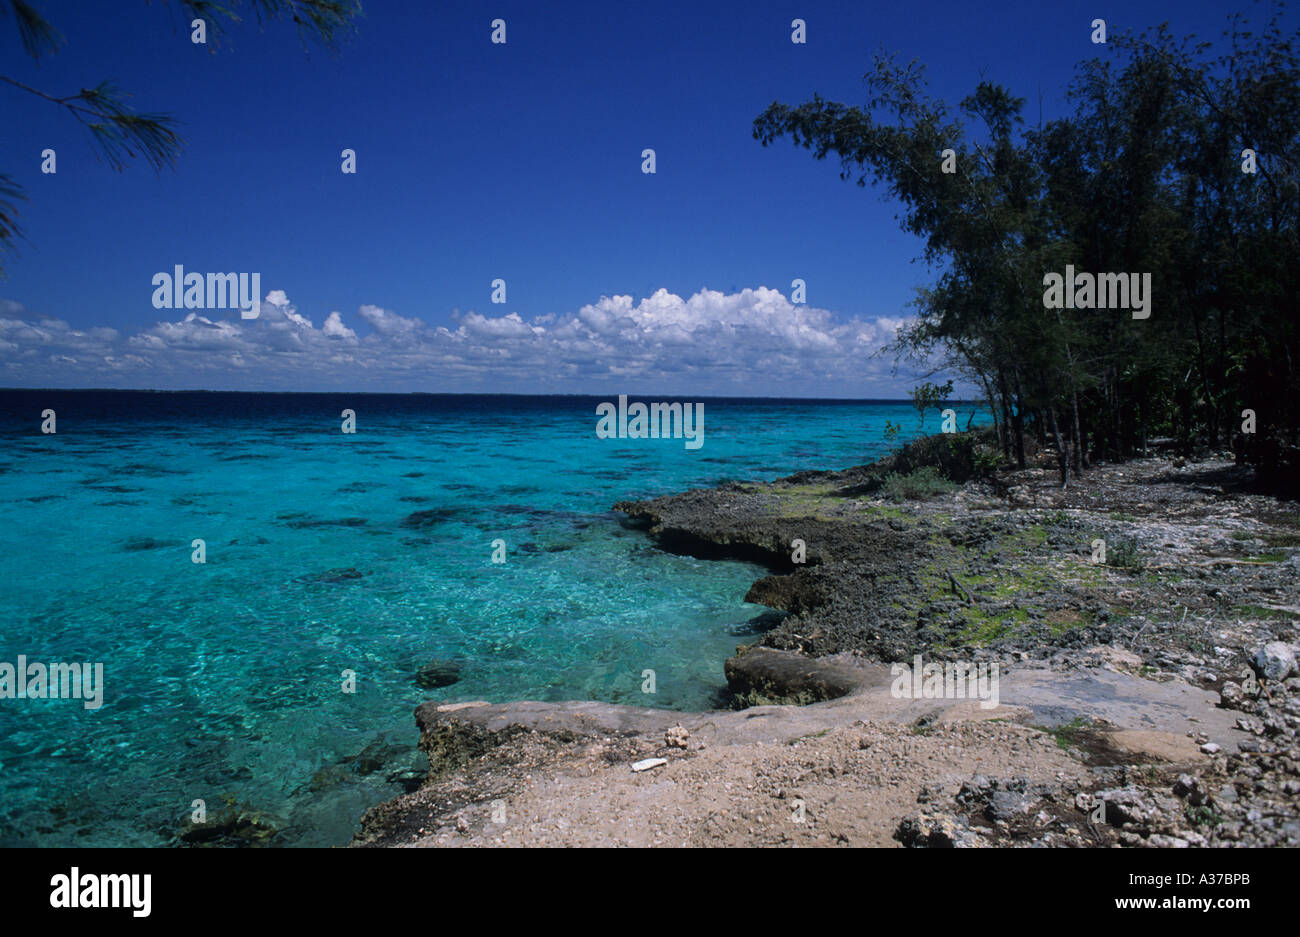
(329, 552)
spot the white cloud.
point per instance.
(335, 328)
(752, 342)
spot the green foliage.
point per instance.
(1124, 555)
(34, 31)
(118, 132)
(1070, 734)
(1263, 612)
(1269, 556)
(987, 460)
(322, 21)
(924, 482)
(1143, 176)
(10, 192)
(929, 395)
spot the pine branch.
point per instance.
(10, 192)
(323, 21)
(115, 130)
(34, 30)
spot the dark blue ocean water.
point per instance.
(226, 678)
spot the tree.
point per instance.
(928, 395)
(1144, 175)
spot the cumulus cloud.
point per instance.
(334, 328)
(752, 342)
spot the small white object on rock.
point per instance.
(649, 763)
(1210, 748)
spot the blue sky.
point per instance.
(477, 161)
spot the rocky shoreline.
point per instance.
(1147, 699)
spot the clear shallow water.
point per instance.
(225, 678)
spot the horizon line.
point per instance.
(423, 393)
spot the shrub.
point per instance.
(987, 459)
(1124, 555)
(925, 482)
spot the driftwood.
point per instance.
(957, 587)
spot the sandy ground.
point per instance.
(850, 787)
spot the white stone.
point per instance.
(1274, 660)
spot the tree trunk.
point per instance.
(1018, 422)
(1006, 413)
(1062, 449)
(993, 410)
(1080, 457)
